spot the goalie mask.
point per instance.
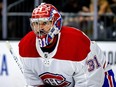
(45, 16)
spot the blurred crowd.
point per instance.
(106, 17)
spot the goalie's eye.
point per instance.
(44, 23)
(36, 23)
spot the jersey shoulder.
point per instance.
(27, 45)
(75, 43)
(76, 36)
(73, 32)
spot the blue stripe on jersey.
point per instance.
(106, 80)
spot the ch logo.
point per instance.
(54, 79)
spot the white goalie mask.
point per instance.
(43, 16)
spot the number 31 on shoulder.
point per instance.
(93, 64)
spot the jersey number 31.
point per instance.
(93, 64)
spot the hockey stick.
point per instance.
(13, 55)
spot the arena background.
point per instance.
(14, 24)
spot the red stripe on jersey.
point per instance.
(110, 80)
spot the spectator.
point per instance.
(80, 6)
(104, 21)
(112, 4)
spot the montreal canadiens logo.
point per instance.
(54, 79)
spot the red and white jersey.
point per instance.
(75, 62)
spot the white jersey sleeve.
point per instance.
(90, 71)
